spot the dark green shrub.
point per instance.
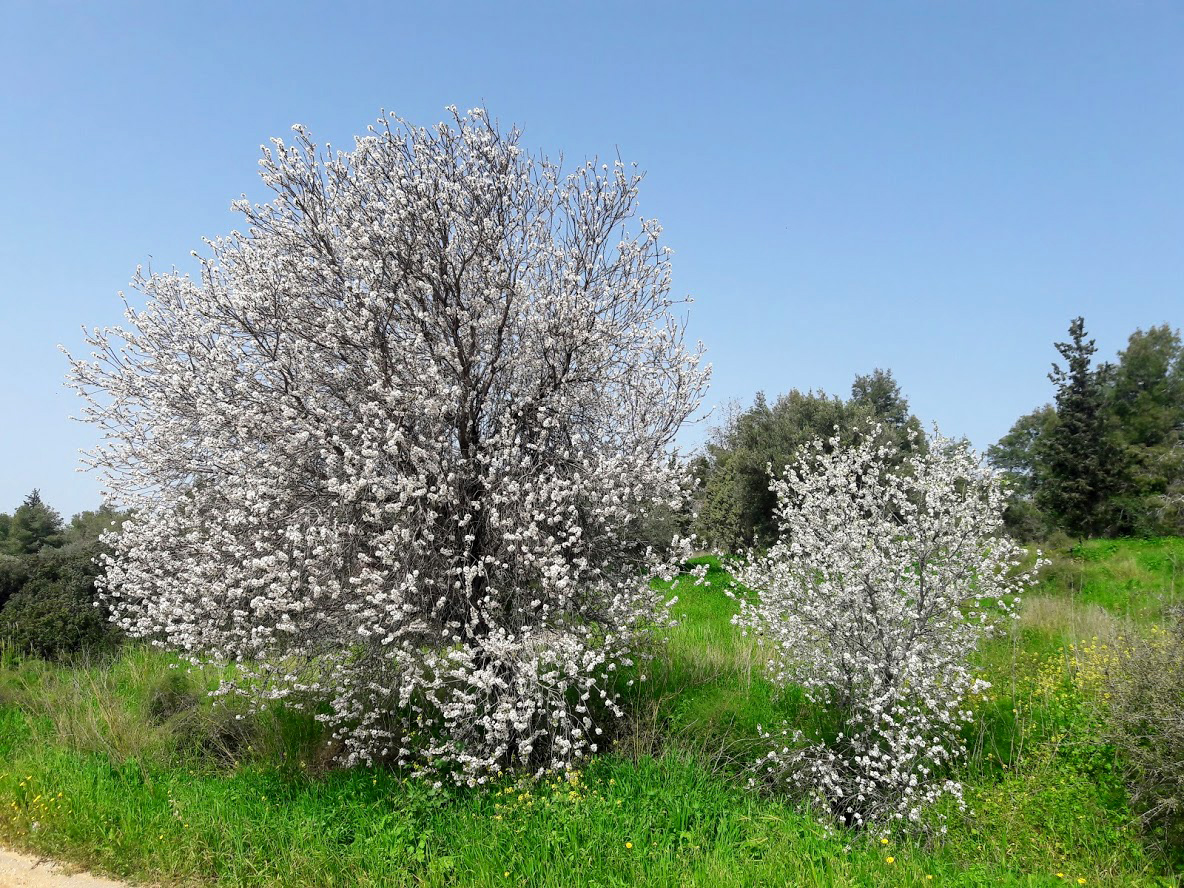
(53, 613)
(659, 525)
(1025, 522)
(14, 573)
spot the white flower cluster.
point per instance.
(882, 584)
(385, 454)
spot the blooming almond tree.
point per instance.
(386, 453)
(883, 582)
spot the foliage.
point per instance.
(1016, 453)
(880, 393)
(395, 441)
(1146, 400)
(1110, 456)
(1145, 695)
(1017, 456)
(88, 527)
(1147, 391)
(33, 525)
(873, 602)
(47, 590)
(14, 573)
(737, 508)
(53, 612)
(1081, 459)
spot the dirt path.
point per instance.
(23, 871)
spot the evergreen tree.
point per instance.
(34, 525)
(1147, 397)
(880, 393)
(85, 528)
(1019, 457)
(1083, 464)
(1018, 454)
(1146, 403)
(737, 508)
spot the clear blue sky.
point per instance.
(935, 188)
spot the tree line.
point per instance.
(1104, 458)
(47, 578)
(736, 503)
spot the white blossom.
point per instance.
(881, 586)
(386, 454)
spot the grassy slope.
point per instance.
(120, 770)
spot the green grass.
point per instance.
(703, 693)
(125, 767)
(1131, 578)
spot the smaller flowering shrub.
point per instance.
(882, 583)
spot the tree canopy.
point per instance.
(737, 506)
(32, 526)
(1108, 456)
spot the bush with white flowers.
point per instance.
(883, 582)
(384, 454)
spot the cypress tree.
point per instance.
(1082, 464)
